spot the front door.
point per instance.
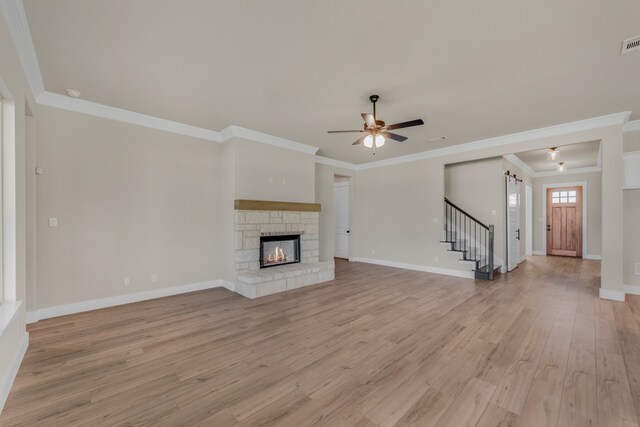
(564, 221)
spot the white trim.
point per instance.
(240, 132)
(79, 307)
(336, 163)
(227, 285)
(18, 26)
(5, 386)
(545, 132)
(416, 267)
(594, 257)
(346, 183)
(632, 289)
(82, 106)
(8, 311)
(516, 161)
(106, 112)
(585, 224)
(540, 253)
(590, 169)
(633, 126)
(599, 161)
(528, 219)
(611, 294)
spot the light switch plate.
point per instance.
(637, 268)
(53, 222)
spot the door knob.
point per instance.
(348, 231)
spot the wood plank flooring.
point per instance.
(377, 347)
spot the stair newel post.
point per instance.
(491, 233)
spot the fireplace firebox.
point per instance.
(279, 250)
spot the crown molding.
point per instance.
(336, 163)
(590, 169)
(616, 119)
(18, 26)
(632, 126)
(106, 112)
(252, 135)
(516, 161)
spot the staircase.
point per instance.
(470, 239)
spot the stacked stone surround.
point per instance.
(250, 225)
(253, 282)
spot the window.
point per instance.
(560, 197)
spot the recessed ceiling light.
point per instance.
(74, 93)
(437, 138)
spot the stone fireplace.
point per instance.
(277, 247)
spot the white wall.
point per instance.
(266, 172)
(130, 202)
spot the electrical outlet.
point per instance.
(154, 277)
(53, 222)
(637, 268)
(127, 281)
(436, 259)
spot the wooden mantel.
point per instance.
(266, 205)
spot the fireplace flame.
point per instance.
(277, 255)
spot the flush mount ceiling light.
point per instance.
(437, 138)
(553, 153)
(74, 93)
(561, 167)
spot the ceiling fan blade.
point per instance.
(343, 131)
(361, 140)
(408, 124)
(394, 136)
(369, 120)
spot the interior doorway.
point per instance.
(341, 200)
(564, 221)
(529, 219)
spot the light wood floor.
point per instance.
(378, 346)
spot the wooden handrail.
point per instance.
(447, 201)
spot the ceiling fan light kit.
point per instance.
(376, 131)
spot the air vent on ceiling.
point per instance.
(629, 45)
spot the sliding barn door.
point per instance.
(564, 221)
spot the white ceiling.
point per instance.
(295, 69)
(575, 156)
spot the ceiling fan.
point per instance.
(377, 131)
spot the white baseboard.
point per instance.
(416, 267)
(227, 285)
(588, 256)
(632, 289)
(5, 385)
(79, 307)
(540, 253)
(611, 294)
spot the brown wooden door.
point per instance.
(564, 221)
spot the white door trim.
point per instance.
(585, 224)
(528, 192)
